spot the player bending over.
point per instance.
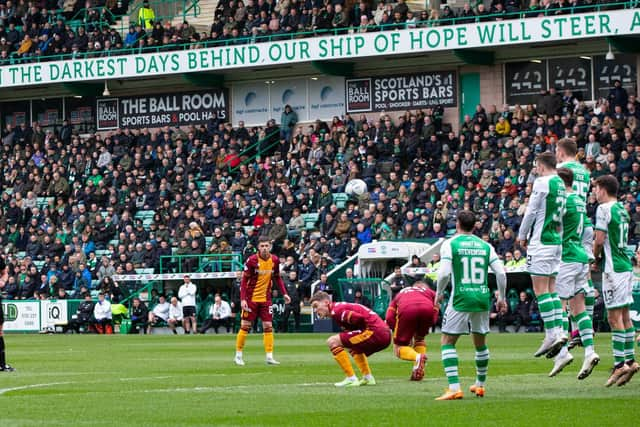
(410, 315)
(364, 333)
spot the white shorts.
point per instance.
(587, 242)
(617, 289)
(572, 279)
(462, 322)
(544, 260)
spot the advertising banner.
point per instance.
(53, 312)
(326, 98)
(107, 110)
(176, 109)
(403, 92)
(251, 103)
(291, 92)
(21, 316)
(346, 46)
(358, 93)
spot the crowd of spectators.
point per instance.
(419, 172)
(33, 31)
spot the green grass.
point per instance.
(162, 380)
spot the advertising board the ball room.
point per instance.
(177, 109)
(402, 92)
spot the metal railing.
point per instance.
(201, 263)
(259, 150)
(165, 10)
(335, 31)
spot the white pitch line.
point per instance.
(28, 386)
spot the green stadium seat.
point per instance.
(144, 215)
(144, 270)
(530, 294)
(340, 200)
(103, 252)
(114, 242)
(631, 250)
(208, 240)
(21, 254)
(43, 202)
(310, 220)
(451, 232)
(39, 264)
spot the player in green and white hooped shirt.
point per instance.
(541, 236)
(566, 152)
(612, 230)
(466, 259)
(572, 282)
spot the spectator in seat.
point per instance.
(139, 317)
(398, 282)
(81, 320)
(522, 314)
(220, 316)
(502, 318)
(159, 313)
(102, 315)
(360, 298)
(176, 315)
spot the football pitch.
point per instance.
(166, 380)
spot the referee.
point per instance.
(3, 281)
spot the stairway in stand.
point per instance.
(204, 19)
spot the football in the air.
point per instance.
(356, 186)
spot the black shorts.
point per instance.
(1, 312)
(189, 311)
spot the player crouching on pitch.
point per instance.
(364, 333)
(410, 315)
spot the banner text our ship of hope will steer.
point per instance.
(530, 30)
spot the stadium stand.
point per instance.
(93, 29)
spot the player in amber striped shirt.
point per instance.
(364, 333)
(260, 272)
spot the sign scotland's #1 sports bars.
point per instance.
(484, 34)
